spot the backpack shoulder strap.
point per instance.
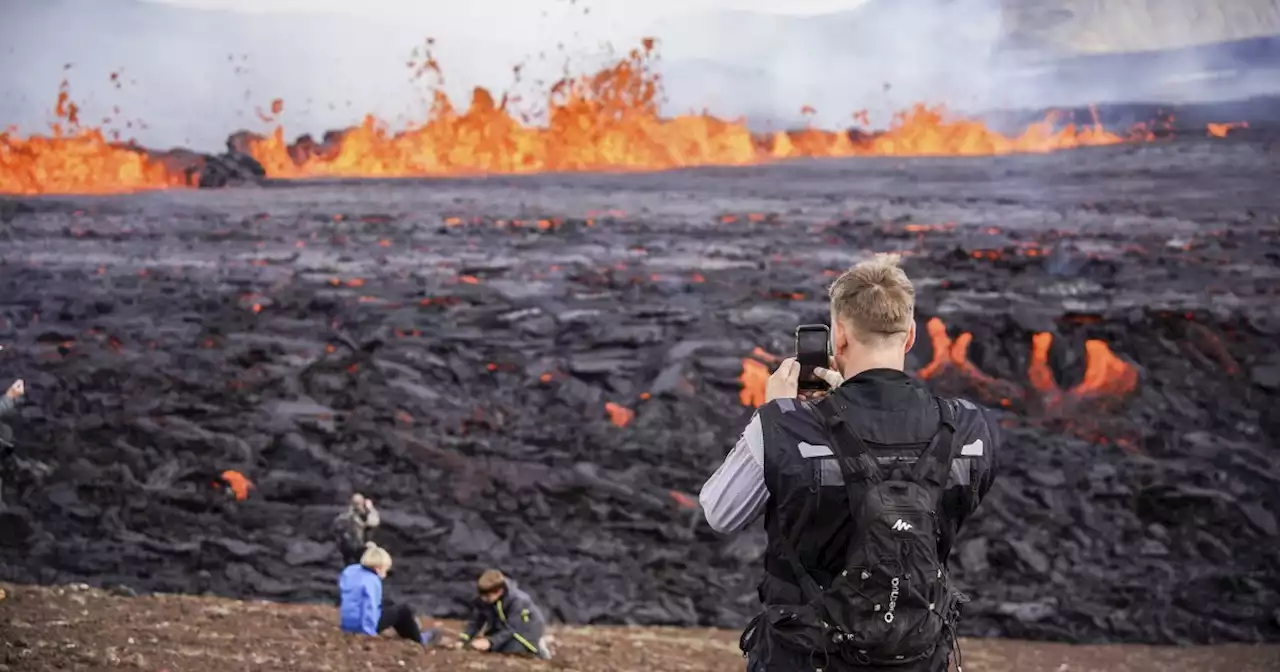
(786, 544)
(935, 462)
(853, 456)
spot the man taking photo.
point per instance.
(863, 492)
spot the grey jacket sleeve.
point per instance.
(6, 404)
(736, 493)
(973, 469)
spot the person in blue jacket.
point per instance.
(363, 610)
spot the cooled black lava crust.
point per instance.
(448, 347)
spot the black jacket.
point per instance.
(513, 617)
(896, 416)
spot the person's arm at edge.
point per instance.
(988, 476)
(736, 493)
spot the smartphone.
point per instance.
(813, 348)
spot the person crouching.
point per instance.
(506, 620)
(363, 609)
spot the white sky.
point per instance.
(194, 77)
(527, 24)
(625, 9)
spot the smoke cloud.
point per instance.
(189, 75)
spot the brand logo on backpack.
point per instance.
(902, 525)
(893, 599)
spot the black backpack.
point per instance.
(893, 602)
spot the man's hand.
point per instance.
(480, 644)
(830, 375)
(16, 390)
(368, 504)
(785, 382)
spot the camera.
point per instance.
(813, 349)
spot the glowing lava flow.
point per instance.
(610, 121)
(238, 484)
(755, 375)
(1221, 130)
(606, 121)
(1105, 374)
(77, 160)
(1107, 380)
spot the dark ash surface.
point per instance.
(403, 357)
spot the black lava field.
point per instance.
(538, 373)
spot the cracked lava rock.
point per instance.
(539, 372)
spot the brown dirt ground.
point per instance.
(81, 628)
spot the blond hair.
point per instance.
(874, 299)
(375, 557)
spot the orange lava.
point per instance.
(1105, 374)
(619, 415)
(76, 159)
(607, 121)
(239, 485)
(755, 375)
(1039, 374)
(610, 121)
(683, 500)
(948, 353)
(1221, 130)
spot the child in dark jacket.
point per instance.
(506, 620)
(363, 610)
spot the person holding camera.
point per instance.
(353, 528)
(863, 490)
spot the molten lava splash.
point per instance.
(76, 160)
(954, 355)
(755, 375)
(1221, 130)
(1039, 374)
(1107, 377)
(610, 121)
(1105, 374)
(238, 484)
(619, 415)
(606, 121)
